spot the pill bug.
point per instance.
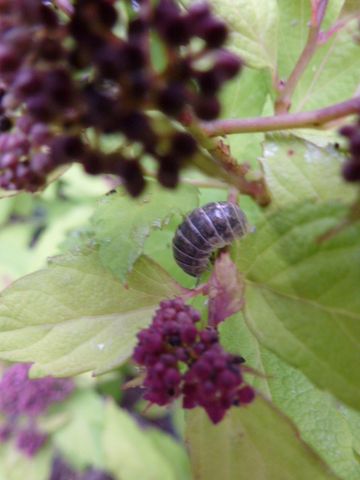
(205, 230)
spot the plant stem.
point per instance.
(235, 174)
(283, 101)
(286, 121)
(338, 25)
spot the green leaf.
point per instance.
(108, 438)
(333, 73)
(321, 423)
(75, 316)
(6, 206)
(122, 224)
(173, 451)
(299, 298)
(76, 184)
(315, 414)
(131, 452)
(80, 439)
(15, 466)
(254, 442)
(297, 170)
(158, 246)
(294, 18)
(15, 256)
(253, 25)
(37, 225)
(244, 97)
(353, 419)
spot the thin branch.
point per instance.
(318, 10)
(236, 174)
(286, 121)
(341, 23)
(283, 101)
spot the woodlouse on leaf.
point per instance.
(205, 230)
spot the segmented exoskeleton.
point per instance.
(205, 230)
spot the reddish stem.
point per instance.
(283, 101)
(286, 121)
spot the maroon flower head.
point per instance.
(66, 72)
(181, 360)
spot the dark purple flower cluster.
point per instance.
(32, 103)
(29, 441)
(351, 169)
(63, 77)
(61, 470)
(178, 29)
(23, 162)
(181, 360)
(21, 397)
(93, 474)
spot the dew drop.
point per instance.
(271, 149)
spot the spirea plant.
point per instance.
(180, 241)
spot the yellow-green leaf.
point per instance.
(299, 297)
(253, 25)
(297, 170)
(75, 316)
(122, 224)
(132, 453)
(253, 442)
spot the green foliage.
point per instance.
(256, 442)
(254, 26)
(75, 316)
(299, 297)
(297, 170)
(80, 438)
(131, 452)
(121, 224)
(333, 73)
(315, 413)
(33, 227)
(331, 431)
(245, 97)
(14, 466)
(98, 433)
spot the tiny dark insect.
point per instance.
(205, 230)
